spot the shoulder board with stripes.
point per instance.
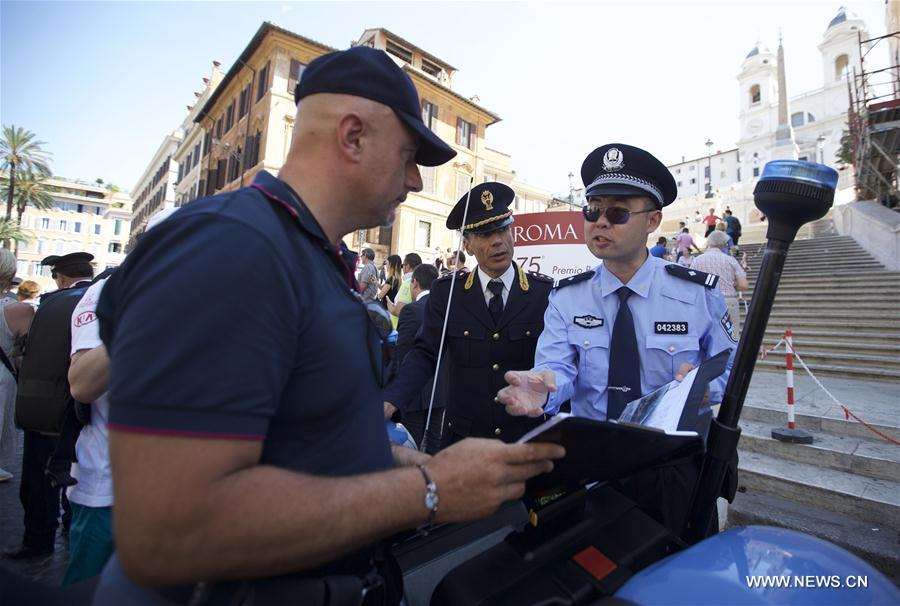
(447, 275)
(693, 275)
(575, 279)
(540, 277)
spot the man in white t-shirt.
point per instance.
(90, 537)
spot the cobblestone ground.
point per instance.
(48, 570)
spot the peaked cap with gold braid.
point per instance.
(488, 209)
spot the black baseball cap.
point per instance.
(366, 72)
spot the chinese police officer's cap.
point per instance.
(488, 209)
(369, 73)
(617, 169)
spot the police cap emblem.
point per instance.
(487, 198)
(613, 160)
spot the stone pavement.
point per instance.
(875, 402)
(48, 570)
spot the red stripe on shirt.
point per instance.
(178, 433)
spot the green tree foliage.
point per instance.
(844, 154)
(9, 231)
(20, 152)
(30, 189)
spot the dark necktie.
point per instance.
(496, 304)
(624, 384)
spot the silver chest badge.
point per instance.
(613, 160)
(588, 321)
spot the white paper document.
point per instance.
(661, 408)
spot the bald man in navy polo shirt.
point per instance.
(242, 455)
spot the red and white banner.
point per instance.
(552, 244)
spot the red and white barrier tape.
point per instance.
(847, 412)
(765, 352)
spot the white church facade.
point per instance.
(812, 124)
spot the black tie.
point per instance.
(496, 304)
(624, 383)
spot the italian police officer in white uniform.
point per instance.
(629, 326)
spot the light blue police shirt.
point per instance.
(676, 321)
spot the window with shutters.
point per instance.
(221, 169)
(244, 101)
(423, 234)
(428, 173)
(465, 133)
(252, 155)
(398, 51)
(431, 69)
(262, 84)
(196, 155)
(430, 115)
(229, 116)
(296, 70)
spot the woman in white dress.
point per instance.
(15, 318)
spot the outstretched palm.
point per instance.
(527, 391)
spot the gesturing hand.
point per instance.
(527, 391)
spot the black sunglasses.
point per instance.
(616, 215)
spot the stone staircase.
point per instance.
(844, 487)
(842, 306)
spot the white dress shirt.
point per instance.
(506, 278)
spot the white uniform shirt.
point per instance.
(94, 488)
(506, 278)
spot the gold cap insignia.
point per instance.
(487, 198)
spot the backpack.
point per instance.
(43, 399)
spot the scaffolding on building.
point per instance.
(874, 126)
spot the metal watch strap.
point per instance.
(431, 497)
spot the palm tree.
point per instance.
(30, 189)
(10, 231)
(20, 152)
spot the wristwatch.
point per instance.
(431, 498)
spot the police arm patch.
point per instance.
(728, 326)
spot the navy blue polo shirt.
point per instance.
(235, 318)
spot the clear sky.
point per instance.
(103, 82)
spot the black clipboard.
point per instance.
(598, 451)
